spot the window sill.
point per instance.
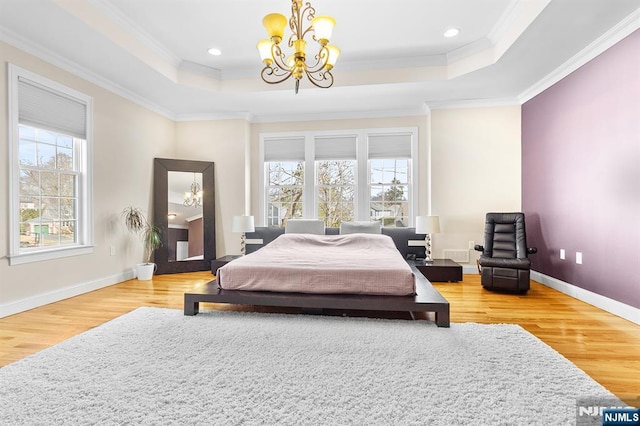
(41, 255)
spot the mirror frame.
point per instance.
(161, 167)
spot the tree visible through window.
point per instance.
(390, 191)
(284, 191)
(336, 191)
(336, 176)
(50, 213)
(48, 181)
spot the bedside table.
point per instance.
(440, 270)
(221, 261)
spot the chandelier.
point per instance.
(278, 67)
(194, 196)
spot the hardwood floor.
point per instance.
(605, 346)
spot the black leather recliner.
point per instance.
(504, 263)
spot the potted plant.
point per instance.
(151, 236)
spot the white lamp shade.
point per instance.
(264, 47)
(334, 52)
(427, 224)
(323, 27)
(242, 224)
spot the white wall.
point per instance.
(126, 139)
(475, 169)
(225, 142)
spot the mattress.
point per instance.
(328, 264)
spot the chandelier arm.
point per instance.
(291, 39)
(295, 21)
(317, 66)
(298, 16)
(272, 76)
(323, 80)
(308, 13)
(322, 58)
(278, 59)
(309, 29)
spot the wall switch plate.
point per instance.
(562, 254)
(472, 244)
(579, 258)
(113, 250)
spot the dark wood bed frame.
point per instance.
(426, 299)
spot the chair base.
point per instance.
(505, 279)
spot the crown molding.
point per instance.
(40, 52)
(215, 117)
(473, 103)
(624, 28)
(124, 22)
(44, 54)
(501, 26)
(350, 115)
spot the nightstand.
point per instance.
(440, 270)
(221, 261)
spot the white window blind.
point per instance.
(45, 108)
(389, 146)
(336, 148)
(363, 165)
(291, 149)
(50, 141)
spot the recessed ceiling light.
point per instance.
(451, 32)
(215, 52)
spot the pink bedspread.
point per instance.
(354, 263)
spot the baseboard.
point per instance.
(469, 269)
(22, 305)
(612, 306)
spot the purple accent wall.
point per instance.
(581, 174)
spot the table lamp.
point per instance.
(427, 225)
(242, 224)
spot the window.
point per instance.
(285, 190)
(50, 213)
(340, 176)
(335, 192)
(389, 201)
(390, 178)
(284, 167)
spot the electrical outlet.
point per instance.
(472, 244)
(113, 250)
(562, 254)
(579, 258)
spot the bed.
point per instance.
(357, 271)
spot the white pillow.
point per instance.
(360, 228)
(304, 226)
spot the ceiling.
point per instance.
(395, 59)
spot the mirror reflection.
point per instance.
(185, 235)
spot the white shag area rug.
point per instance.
(157, 366)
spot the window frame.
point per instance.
(268, 187)
(354, 186)
(85, 225)
(387, 186)
(362, 185)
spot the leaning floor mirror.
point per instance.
(183, 204)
